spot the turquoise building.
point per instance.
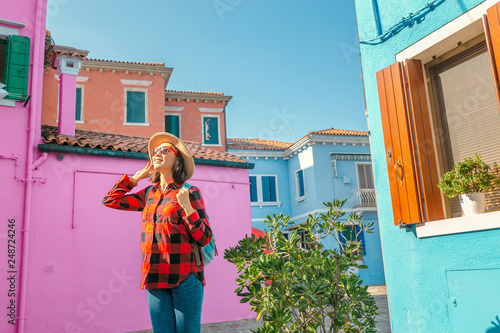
(430, 72)
(296, 178)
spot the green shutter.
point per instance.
(172, 125)
(136, 107)
(210, 131)
(17, 58)
(78, 108)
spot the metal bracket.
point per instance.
(403, 225)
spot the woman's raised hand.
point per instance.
(143, 173)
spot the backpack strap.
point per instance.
(197, 258)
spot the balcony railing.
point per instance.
(363, 197)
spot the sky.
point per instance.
(291, 66)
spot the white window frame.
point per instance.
(180, 121)
(260, 196)
(203, 130)
(297, 186)
(357, 172)
(146, 106)
(4, 32)
(82, 119)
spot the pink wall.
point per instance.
(15, 152)
(87, 278)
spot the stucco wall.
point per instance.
(85, 262)
(415, 268)
(103, 96)
(14, 151)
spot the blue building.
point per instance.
(296, 178)
(430, 72)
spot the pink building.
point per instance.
(71, 264)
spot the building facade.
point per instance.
(430, 72)
(296, 178)
(71, 264)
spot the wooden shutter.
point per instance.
(491, 22)
(17, 59)
(211, 130)
(410, 154)
(172, 124)
(78, 106)
(423, 143)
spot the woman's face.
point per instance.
(163, 162)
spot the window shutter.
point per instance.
(399, 150)
(491, 22)
(17, 67)
(78, 108)
(136, 107)
(253, 189)
(411, 161)
(423, 143)
(172, 125)
(211, 131)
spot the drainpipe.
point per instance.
(35, 74)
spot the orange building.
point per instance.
(129, 98)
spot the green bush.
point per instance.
(471, 175)
(297, 286)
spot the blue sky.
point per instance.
(287, 64)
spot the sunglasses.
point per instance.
(164, 150)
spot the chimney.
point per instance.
(67, 61)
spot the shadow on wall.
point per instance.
(496, 328)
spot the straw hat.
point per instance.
(163, 137)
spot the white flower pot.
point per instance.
(473, 203)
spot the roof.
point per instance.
(69, 52)
(130, 62)
(257, 144)
(125, 143)
(335, 131)
(194, 92)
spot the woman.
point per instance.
(173, 219)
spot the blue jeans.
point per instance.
(177, 310)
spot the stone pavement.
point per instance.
(244, 326)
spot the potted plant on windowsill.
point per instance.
(470, 179)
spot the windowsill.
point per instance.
(79, 122)
(136, 124)
(302, 198)
(261, 204)
(8, 102)
(211, 145)
(485, 221)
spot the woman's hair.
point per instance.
(179, 172)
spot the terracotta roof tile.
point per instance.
(131, 62)
(70, 52)
(334, 131)
(257, 144)
(117, 142)
(194, 92)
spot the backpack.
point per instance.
(208, 251)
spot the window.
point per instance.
(211, 134)
(172, 124)
(299, 182)
(14, 65)
(79, 105)
(263, 189)
(365, 179)
(350, 234)
(136, 105)
(462, 106)
(465, 107)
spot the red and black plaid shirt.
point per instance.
(167, 233)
